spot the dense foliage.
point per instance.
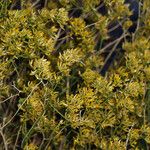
(51, 93)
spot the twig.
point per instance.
(127, 140)
(35, 3)
(3, 137)
(21, 105)
(9, 98)
(110, 44)
(14, 148)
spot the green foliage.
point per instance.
(51, 94)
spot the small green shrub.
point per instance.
(51, 94)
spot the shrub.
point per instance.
(52, 95)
